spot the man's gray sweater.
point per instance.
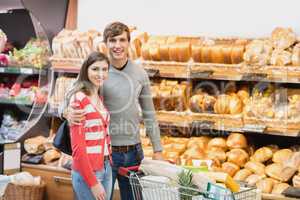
(127, 92)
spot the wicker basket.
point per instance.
(24, 192)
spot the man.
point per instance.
(126, 91)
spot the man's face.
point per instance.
(118, 47)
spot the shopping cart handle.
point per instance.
(124, 171)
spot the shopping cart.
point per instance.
(147, 189)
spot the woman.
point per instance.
(91, 169)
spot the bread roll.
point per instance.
(279, 188)
(236, 141)
(253, 179)
(238, 157)
(281, 58)
(294, 161)
(196, 52)
(296, 181)
(255, 167)
(51, 155)
(296, 55)
(274, 170)
(235, 105)
(242, 175)
(195, 103)
(201, 142)
(217, 142)
(216, 153)
(179, 94)
(230, 168)
(283, 38)
(222, 104)
(258, 52)
(35, 145)
(262, 154)
(207, 103)
(172, 156)
(166, 100)
(265, 185)
(282, 156)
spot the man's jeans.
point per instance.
(131, 158)
(83, 192)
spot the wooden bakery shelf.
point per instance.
(219, 121)
(71, 65)
(168, 69)
(180, 119)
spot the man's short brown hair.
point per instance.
(115, 29)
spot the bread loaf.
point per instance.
(196, 52)
(35, 145)
(238, 157)
(255, 167)
(283, 38)
(282, 156)
(258, 52)
(164, 52)
(253, 179)
(274, 170)
(216, 153)
(226, 51)
(179, 93)
(51, 155)
(296, 55)
(235, 105)
(217, 54)
(281, 58)
(206, 54)
(173, 52)
(217, 142)
(242, 175)
(237, 53)
(222, 104)
(145, 52)
(236, 140)
(265, 185)
(154, 52)
(230, 168)
(263, 154)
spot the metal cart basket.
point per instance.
(144, 189)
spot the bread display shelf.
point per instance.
(71, 65)
(276, 125)
(235, 123)
(191, 70)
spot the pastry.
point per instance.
(238, 157)
(217, 142)
(230, 168)
(281, 58)
(236, 140)
(265, 185)
(263, 154)
(255, 167)
(282, 156)
(242, 175)
(283, 38)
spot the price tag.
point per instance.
(254, 77)
(254, 128)
(201, 74)
(26, 70)
(2, 69)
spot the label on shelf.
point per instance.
(26, 70)
(2, 69)
(254, 128)
(201, 74)
(254, 77)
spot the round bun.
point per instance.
(217, 142)
(242, 175)
(262, 154)
(238, 157)
(230, 168)
(265, 185)
(274, 171)
(217, 153)
(253, 179)
(282, 156)
(255, 167)
(236, 140)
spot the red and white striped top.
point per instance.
(89, 139)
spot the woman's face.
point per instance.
(98, 72)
